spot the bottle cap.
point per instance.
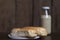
(46, 7)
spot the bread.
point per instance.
(29, 31)
(23, 32)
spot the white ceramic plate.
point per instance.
(14, 37)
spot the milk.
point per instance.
(46, 22)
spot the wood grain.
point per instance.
(56, 16)
(7, 18)
(23, 13)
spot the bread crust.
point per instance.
(41, 31)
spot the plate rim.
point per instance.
(9, 35)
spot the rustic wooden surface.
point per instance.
(7, 15)
(56, 16)
(23, 13)
(19, 13)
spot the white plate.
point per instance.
(14, 37)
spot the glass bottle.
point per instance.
(46, 19)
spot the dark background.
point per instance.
(19, 13)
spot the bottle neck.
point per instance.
(46, 13)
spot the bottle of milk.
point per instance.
(46, 19)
